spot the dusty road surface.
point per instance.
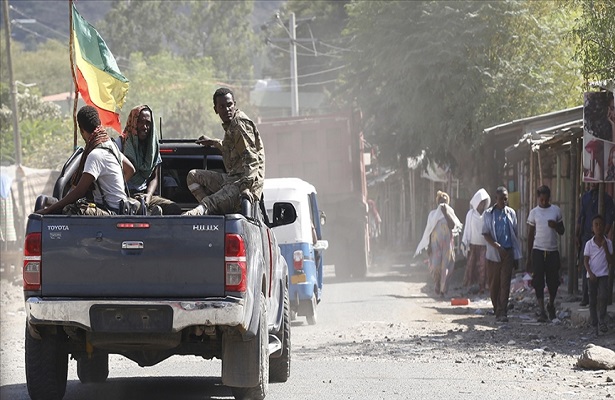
(384, 337)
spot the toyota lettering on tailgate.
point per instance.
(57, 228)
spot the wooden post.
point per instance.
(71, 47)
(530, 181)
(573, 280)
(539, 169)
(580, 189)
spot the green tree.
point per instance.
(219, 30)
(148, 27)
(45, 134)
(223, 32)
(595, 31)
(432, 75)
(47, 65)
(178, 90)
(321, 20)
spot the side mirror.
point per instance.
(283, 214)
(323, 218)
(321, 245)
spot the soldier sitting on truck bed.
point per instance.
(139, 144)
(102, 168)
(244, 159)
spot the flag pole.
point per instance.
(71, 47)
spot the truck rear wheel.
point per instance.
(361, 263)
(46, 365)
(259, 391)
(312, 316)
(94, 369)
(279, 367)
(343, 268)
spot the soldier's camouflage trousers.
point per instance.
(219, 193)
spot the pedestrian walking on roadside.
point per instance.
(438, 238)
(503, 250)
(583, 231)
(475, 243)
(598, 255)
(545, 223)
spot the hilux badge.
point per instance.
(206, 228)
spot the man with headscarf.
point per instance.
(475, 243)
(442, 226)
(243, 154)
(140, 145)
(102, 169)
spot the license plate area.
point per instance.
(300, 278)
(132, 319)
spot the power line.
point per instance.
(335, 47)
(186, 78)
(275, 46)
(316, 73)
(64, 35)
(36, 34)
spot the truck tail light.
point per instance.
(235, 273)
(32, 262)
(298, 260)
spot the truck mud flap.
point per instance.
(275, 346)
(253, 328)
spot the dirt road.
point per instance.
(385, 337)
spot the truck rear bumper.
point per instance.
(228, 311)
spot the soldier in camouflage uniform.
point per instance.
(244, 159)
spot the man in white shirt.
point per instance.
(598, 255)
(102, 169)
(545, 223)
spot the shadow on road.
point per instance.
(136, 388)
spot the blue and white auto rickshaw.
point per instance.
(300, 242)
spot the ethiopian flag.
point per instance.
(99, 80)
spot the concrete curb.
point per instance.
(580, 315)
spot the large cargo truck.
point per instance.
(327, 151)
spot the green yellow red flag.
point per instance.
(99, 80)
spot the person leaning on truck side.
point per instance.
(244, 159)
(102, 169)
(139, 144)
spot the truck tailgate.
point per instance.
(99, 257)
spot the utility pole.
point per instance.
(294, 85)
(292, 40)
(19, 175)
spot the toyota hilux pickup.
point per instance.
(150, 287)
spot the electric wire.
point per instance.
(186, 78)
(62, 34)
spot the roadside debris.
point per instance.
(596, 357)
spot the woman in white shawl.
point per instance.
(475, 243)
(442, 226)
